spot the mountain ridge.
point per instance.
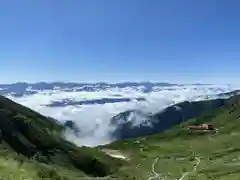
(176, 114)
(20, 89)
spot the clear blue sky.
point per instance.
(120, 40)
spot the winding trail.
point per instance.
(156, 175)
(190, 172)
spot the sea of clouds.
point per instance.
(94, 119)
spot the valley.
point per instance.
(180, 152)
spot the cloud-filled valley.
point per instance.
(92, 108)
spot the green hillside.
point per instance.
(32, 147)
(183, 154)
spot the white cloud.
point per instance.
(93, 120)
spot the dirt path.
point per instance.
(190, 172)
(156, 175)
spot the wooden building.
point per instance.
(201, 127)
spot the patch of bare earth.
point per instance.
(115, 154)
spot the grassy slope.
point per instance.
(178, 151)
(32, 147)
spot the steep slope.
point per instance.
(180, 153)
(32, 141)
(126, 126)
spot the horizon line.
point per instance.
(105, 82)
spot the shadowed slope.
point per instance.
(39, 138)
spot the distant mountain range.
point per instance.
(25, 89)
(20, 89)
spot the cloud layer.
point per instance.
(93, 119)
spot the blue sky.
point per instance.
(120, 40)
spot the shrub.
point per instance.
(49, 173)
